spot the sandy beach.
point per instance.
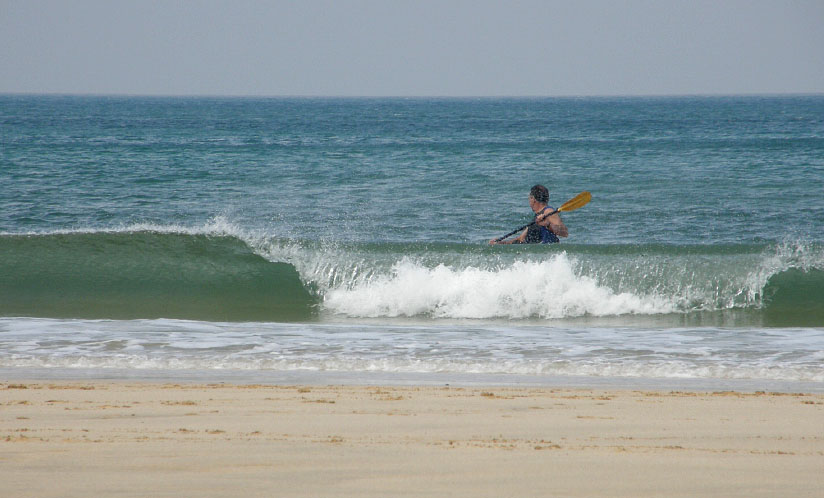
(144, 439)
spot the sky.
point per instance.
(412, 48)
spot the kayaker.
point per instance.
(547, 228)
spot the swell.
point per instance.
(146, 274)
(748, 282)
(221, 273)
(795, 297)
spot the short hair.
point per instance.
(540, 193)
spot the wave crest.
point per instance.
(524, 289)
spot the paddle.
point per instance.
(576, 202)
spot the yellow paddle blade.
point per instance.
(576, 202)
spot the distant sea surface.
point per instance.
(346, 239)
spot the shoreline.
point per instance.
(400, 379)
(136, 438)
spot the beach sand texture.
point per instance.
(142, 439)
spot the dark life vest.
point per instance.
(537, 234)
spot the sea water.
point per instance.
(345, 240)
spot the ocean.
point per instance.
(345, 240)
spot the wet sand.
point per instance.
(147, 439)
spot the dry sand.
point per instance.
(140, 439)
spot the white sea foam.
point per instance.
(673, 370)
(217, 226)
(545, 289)
(697, 353)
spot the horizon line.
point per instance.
(411, 97)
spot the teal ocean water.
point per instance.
(348, 238)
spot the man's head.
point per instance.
(540, 194)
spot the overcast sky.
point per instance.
(412, 48)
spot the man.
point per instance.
(547, 228)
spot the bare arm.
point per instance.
(517, 240)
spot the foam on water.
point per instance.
(545, 289)
(461, 282)
(697, 353)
